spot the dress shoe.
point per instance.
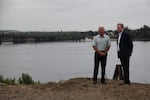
(94, 82)
(103, 82)
(125, 83)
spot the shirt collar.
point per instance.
(120, 33)
(102, 36)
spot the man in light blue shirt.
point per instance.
(101, 44)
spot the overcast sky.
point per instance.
(72, 15)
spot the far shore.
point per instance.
(140, 40)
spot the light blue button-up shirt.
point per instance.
(101, 42)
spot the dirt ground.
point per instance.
(76, 89)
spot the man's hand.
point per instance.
(102, 53)
(99, 52)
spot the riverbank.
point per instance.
(76, 89)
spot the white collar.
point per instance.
(120, 33)
(101, 36)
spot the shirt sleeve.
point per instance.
(94, 42)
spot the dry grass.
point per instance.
(76, 89)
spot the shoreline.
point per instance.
(76, 89)
(112, 39)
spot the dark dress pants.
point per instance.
(97, 60)
(125, 64)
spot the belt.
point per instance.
(102, 51)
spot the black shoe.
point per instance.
(125, 83)
(121, 84)
(104, 83)
(94, 82)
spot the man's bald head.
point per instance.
(101, 30)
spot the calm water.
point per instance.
(63, 60)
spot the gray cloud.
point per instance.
(53, 15)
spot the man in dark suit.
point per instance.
(124, 48)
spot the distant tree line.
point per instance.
(142, 33)
(22, 37)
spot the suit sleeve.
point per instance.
(130, 43)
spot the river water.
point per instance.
(56, 61)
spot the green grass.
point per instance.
(24, 79)
(9, 81)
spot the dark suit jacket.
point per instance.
(126, 45)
